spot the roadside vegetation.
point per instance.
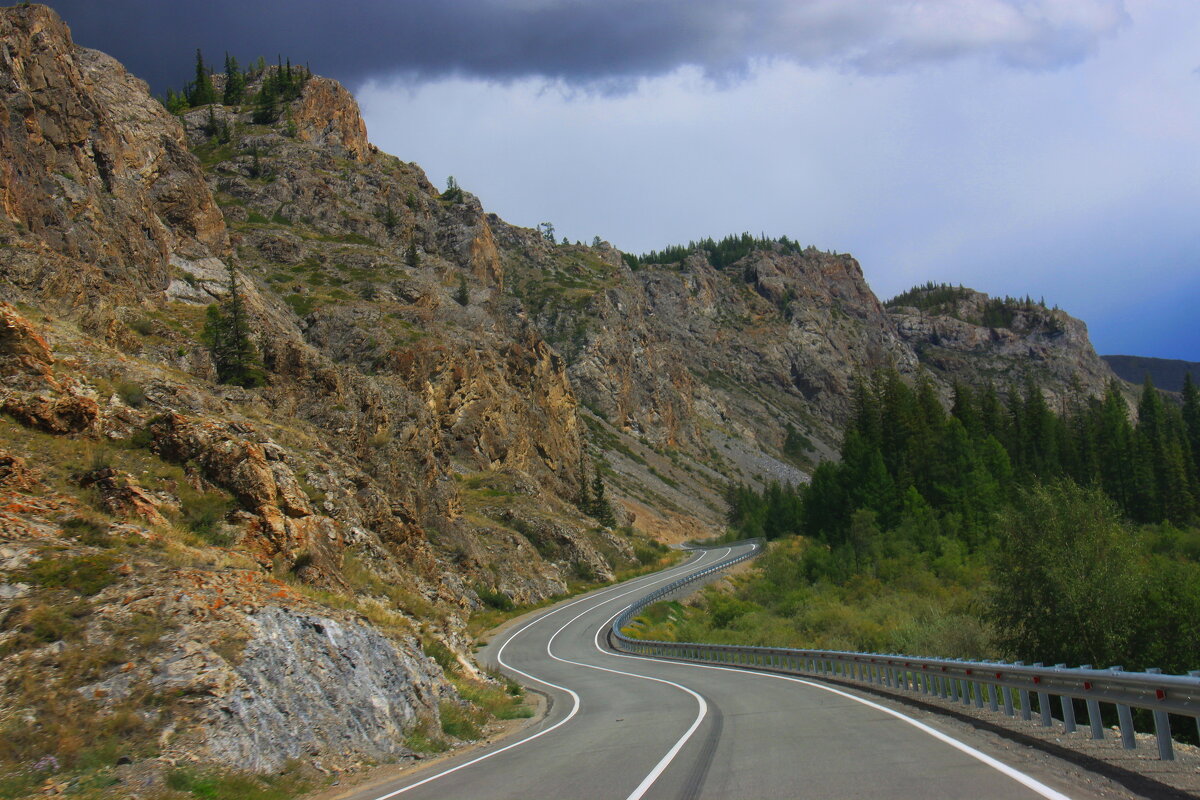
(994, 529)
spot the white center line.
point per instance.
(574, 697)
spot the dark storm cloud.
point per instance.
(586, 42)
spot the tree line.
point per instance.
(997, 312)
(1084, 518)
(721, 254)
(280, 84)
(902, 451)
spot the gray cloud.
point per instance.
(604, 43)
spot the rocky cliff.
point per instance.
(196, 560)
(304, 542)
(965, 336)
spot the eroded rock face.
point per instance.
(310, 684)
(1046, 346)
(58, 415)
(327, 116)
(672, 353)
(94, 169)
(121, 496)
(15, 473)
(22, 348)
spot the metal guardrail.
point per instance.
(995, 684)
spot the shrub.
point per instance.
(495, 598)
(142, 325)
(85, 575)
(131, 393)
(203, 513)
(501, 702)
(87, 531)
(423, 738)
(443, 655)
(301, 305)
(460, 721)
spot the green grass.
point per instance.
(784, 602)
(85, 575)
(505, 701)
(424, 737)
(204, 513)
(348, 238)
(236, 785)
(460, 721)
(301, 304)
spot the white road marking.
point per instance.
(666, 760)
(574, 696)
(1018, 776)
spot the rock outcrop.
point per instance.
(1024, 342)
(298, 675)
(99, 189)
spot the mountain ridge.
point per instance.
(1167, 374)
(442, 391)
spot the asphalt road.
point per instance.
(624, 727)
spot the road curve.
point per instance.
(626, 727)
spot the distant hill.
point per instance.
(1167, 373)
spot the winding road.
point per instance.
(626, 727)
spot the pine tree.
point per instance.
(175, 102)
(601, 509)
(1191, 417)
(266, 103)
(235, 82)
(991, 413)
(211, 125)
(227, 334)
(1114, 448)
(585, 487)
(462, 295)
(202, 92)
(965, 412)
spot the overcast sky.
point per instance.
(1041, 147)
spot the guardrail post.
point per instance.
(1125, 718)
(1026, 705)
(1044, 703)
(1068, 708)
(924, 681)
(1162, 728)
(1195, 673)
(1095, 722)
